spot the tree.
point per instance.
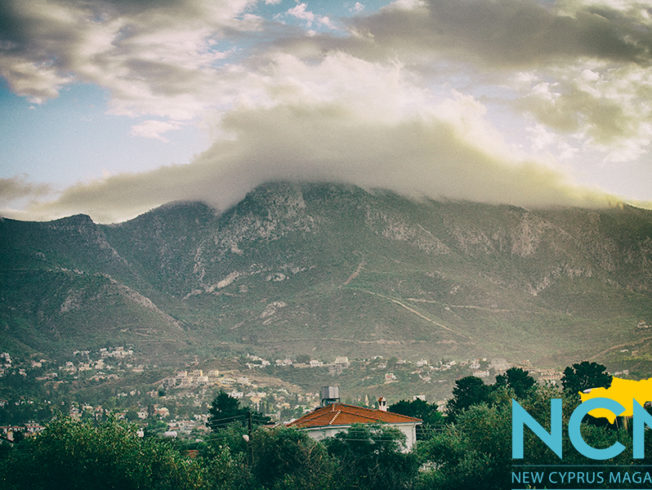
(289, 459)
(19, 436)
(517, 379)
(131, 415)
(370, 456)
(80, 455)
(585, 375)
(475, 451)
(226, 410)
(427, 412)
(303, 358)
(224, 459)
(468, 391)
(155, 428)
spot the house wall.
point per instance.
(320, 433)
(410, 431)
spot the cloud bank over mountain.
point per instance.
(519, 101)
(418, 157)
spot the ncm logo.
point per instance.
(553, 439)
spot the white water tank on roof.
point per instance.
(330, 395)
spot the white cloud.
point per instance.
(405, 5)
(155, 58)
(326, 142)
(36, 81)
(300, 11)
(383, 131)
(411, 99)
(606, 106)
(154, 129)
(326, 21)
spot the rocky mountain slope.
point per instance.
(300, 268)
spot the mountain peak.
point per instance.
(300, 266)
(74, 220)
(176, 210)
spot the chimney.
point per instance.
(382, 404)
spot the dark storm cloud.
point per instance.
(132, 48)
(510, 32)
(18, 187)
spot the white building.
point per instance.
(327, 421)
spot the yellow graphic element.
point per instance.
(623, 391)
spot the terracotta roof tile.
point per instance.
(342, 414)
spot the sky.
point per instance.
(114, 107)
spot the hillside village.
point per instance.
(116, 381)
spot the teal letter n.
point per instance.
(641, 419)
(520, 418)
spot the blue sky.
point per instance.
(72, 138)
(112, 108)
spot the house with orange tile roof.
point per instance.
(331, 419)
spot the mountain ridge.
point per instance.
(297, 267)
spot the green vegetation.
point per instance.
(432, 419)
(226, 410)
(470, 450)
(585, 375)
(332, 267)
(318, 272)
(289, 459)
(82, 455)
(518, 380)
(370, 457)
(468, 391)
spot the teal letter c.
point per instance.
(576, 435)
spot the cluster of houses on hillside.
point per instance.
(274, 386)
(9, 432)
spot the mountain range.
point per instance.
(335, 270)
